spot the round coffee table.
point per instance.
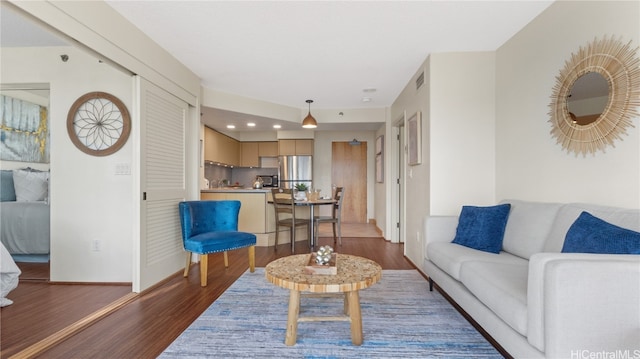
(353, 273)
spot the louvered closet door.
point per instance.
(162, 183)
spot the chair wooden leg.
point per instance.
(335, 237)
(340, 232)
(252, 259)
(204, 258)
(292, 237)
(226, 260)
(187, 265)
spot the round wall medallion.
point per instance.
(98, 124)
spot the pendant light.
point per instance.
(309, 121)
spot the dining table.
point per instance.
(312, 204)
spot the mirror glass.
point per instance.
(588, 98)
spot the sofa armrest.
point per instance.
(439, 229)
(583, 303)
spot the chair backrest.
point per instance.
(338, 196)
(198, 217)
(283, 201)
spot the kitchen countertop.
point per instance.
(236, 190)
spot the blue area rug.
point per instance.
(400, 319)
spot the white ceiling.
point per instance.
(285, 52)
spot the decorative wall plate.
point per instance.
(98, 124)
(619, 65)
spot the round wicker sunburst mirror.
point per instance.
(618, 65)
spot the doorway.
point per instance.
(400, 184)
(349, 170)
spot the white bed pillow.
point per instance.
(30, 185)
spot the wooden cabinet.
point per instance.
(209, 145)
(304, 147)
(249, 156)
(250, 152)
(219, 148)
(268, 149)
(295, 147)
(253, 211)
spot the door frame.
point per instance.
(397, 185)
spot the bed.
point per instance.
(9, 273)
(25, 213)
(24, 227)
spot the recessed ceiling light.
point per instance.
(277, 126)
(366, 99)
(251, 124)
(369, 90)
(231, 127)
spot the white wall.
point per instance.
(458, 153)
(530, 165)
(416, 178)
(462, 131)
(88, 201)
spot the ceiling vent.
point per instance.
(420, 80)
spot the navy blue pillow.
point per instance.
(7, 190)
(589, 234)
(482, 228)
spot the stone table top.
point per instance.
(354, 273)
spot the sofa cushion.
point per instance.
(528, 227)
(482, 228)
(450, 256)
(502, 287)
(567, 215)
(589, 234)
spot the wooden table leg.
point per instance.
(356, 317)
(292, 319)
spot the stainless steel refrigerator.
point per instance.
(294, 170)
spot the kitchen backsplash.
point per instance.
(242, 175)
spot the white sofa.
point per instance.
(535, 301)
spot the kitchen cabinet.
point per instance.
(268, 149)
(295, 147)
(249, 156)
(253, 208)
(250, 152)
(219, 148)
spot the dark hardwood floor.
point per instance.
(144, 327)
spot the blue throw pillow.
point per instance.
(589, 234)
(482, 228)
(7, 190)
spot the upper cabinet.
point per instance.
(249, 156)
(250, 152)
(295, 147)
(268, 149)
(219, 148)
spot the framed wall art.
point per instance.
(380, 159)
(24, 131)
(414, 139)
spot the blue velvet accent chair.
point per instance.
(210, 227)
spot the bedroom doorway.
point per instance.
(24, 161)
